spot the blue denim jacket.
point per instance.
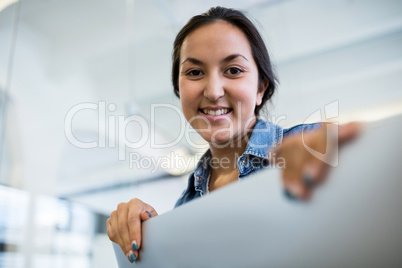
(265, 136)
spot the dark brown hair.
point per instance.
(238, 19)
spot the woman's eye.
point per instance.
(194, 73)
(233, 71)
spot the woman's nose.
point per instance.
(214, 89)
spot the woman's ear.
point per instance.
(263, 85)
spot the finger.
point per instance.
(308, 180)
(119, 241)
(349, 131)
(297, 192)
(314, 172)
(135, 208)
(135, 228)
(294, 188)
(113, 231)
(109, 229)
(147, 214)
(122, 211)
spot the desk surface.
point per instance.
(353, 220)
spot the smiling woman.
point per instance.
(223, 76)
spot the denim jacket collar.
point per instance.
(265, 135)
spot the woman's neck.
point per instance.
(225, 157)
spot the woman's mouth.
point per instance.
(216, 112)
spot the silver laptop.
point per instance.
(353, 220)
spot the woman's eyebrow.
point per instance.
(232, 57)
(225, 60)
(193, 60)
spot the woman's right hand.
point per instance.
(124, 226)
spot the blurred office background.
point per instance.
(114, 58)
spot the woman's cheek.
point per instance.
(188, 89)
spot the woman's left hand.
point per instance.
(303, 171)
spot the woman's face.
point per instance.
(218, 82)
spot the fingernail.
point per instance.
(308, 180)
(289, 195)
(134, 245)
(149, 214)
(131, 257)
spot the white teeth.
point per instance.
(217, 112)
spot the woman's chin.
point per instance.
(220, 141)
